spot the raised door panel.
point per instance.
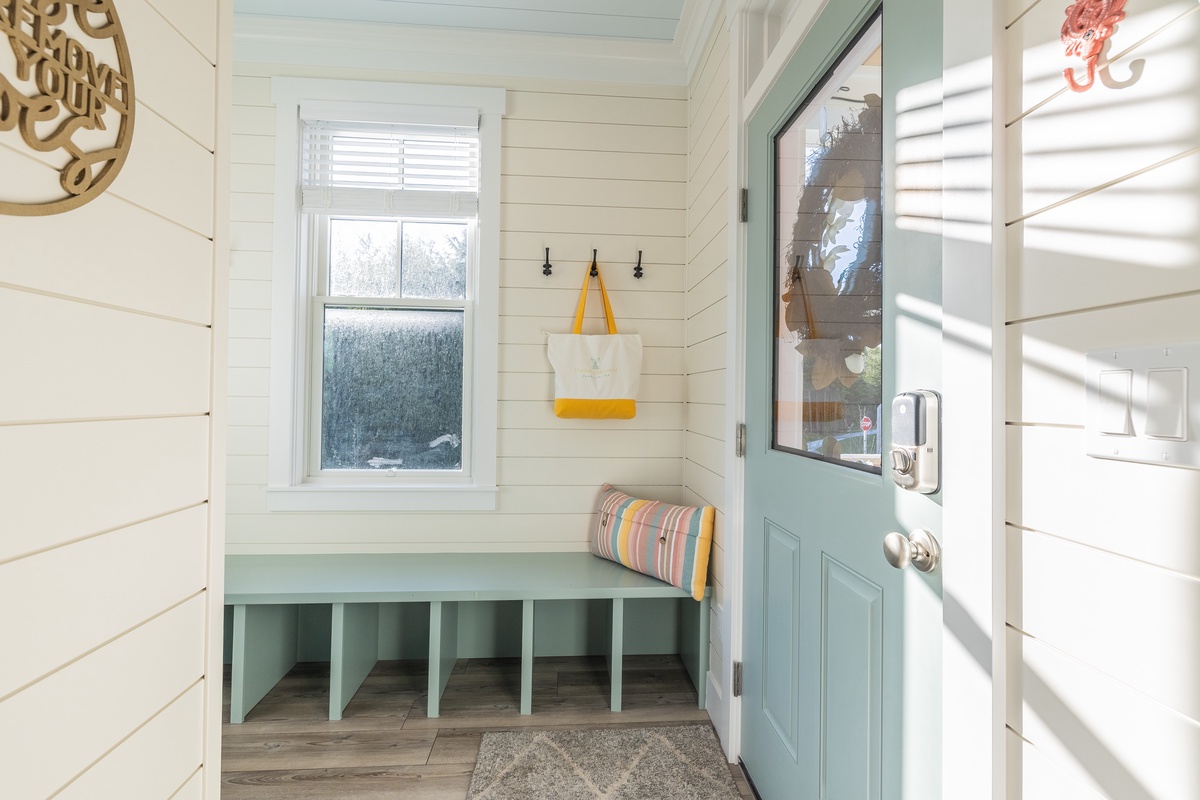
(851, 685)
(780, 657)
(104, 697)
(94, 362)
(77, 598)
(62, 482)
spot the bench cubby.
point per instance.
(269, 595)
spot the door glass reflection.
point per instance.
(829, 267)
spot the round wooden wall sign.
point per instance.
(66, 100)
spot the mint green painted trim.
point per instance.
(237, 675)
(353, 651)
(272, 629)
(443, 650)
(616, 655)
(412, 577)
(353, 586)
(694, 643)
(526, 656)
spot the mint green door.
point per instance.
(841, 651)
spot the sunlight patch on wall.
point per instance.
(919, 153)
(1149, 221)
(968, 145)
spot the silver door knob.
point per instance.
(919, 548)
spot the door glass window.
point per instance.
(829, 266)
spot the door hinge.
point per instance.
(737, 679)
(745, 211)
(739, 442)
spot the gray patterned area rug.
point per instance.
(678, 763)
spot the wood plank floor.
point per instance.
(386, 747)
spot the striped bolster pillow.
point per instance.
(668, 542)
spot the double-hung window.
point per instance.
(389, 372)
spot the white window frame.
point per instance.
(289, 485)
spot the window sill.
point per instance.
(312, 497)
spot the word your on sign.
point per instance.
(66, 94)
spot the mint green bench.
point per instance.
(266, 591)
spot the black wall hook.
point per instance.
(546, 270)
(595, 271)
(637, 271)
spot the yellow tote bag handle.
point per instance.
(608, 314)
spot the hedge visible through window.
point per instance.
(392, 352)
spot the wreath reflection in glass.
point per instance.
(832, 294)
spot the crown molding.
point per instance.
(696, 24)
(358, 45)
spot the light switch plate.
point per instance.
(1161, 423)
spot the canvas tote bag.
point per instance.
(595, 377)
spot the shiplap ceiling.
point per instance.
(644, 20)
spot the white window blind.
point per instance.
(370, 167)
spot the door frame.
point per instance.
(974, 762)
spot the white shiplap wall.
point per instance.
(583, 166)
(705, 330)
(111, 514)
(1103, 556)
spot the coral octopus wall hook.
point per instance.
(1089, 24)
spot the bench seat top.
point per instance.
(408, 577)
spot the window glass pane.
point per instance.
(392, 389)
(362, 258)
(435, 260)
(829, 272)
